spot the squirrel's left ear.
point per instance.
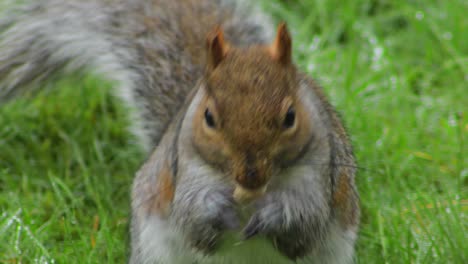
(216, 48)
(281, 49)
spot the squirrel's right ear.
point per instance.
(216, 48)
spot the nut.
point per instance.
(242, 194)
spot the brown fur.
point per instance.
(345, 204)
(165, 192)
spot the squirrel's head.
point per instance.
(250, 123)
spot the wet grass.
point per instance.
(397, 71)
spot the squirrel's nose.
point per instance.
(251, 173)
(252, 179)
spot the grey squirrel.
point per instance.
(248, 161)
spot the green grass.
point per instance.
(397, 71)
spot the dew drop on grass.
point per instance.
(463, 175)
(377, 53)
(393, 82)
(301, 47)
(310, 67)
(419, 15)
(43, 260)
(452, 120)
(315, 44)
(379, 143)
(447, 35)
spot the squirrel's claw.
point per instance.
(253, 227)
(266, 220)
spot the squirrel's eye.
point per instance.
(209, 119)
(289, 118)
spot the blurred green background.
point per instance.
(397, 71)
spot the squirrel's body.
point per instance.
(219, 115)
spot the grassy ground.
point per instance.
(396, 70)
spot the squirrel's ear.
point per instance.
(216, 48)
(281, 48)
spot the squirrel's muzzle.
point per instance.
(252, 172)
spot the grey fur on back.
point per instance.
(140, 44)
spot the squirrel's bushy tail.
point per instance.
(42, 38)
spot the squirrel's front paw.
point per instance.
(218, 216)
(290, 239)
(266, 220)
